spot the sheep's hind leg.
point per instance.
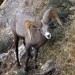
(16, 50)
(36, 60)
(27, 59)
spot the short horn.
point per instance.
(28, 24)
(46, 17)
(54, 15)
(49, 14)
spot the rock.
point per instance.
(72, 0)
(7, 60)
(3, 57)
(48, 64)
(47, 68)
(11, 53)
(21, 51)
(6, 42)
(15, 72)
(6, 56)
(21, 72)
(11, 73)
(72, 8)
(6, 39)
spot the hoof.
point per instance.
(31, 56)
(36, 67)
(18, 66)
(26, 73)
(27, 69)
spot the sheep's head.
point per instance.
(48, 15)
(44, 23)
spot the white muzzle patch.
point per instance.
(48, 35)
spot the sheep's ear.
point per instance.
(29, 24)
(54, 15)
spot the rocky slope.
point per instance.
(60, 49)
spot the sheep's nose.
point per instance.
(48, 35)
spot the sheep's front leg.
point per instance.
(27, 59)
(36, 60)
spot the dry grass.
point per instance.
(62, 50)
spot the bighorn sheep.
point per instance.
(34, 32)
